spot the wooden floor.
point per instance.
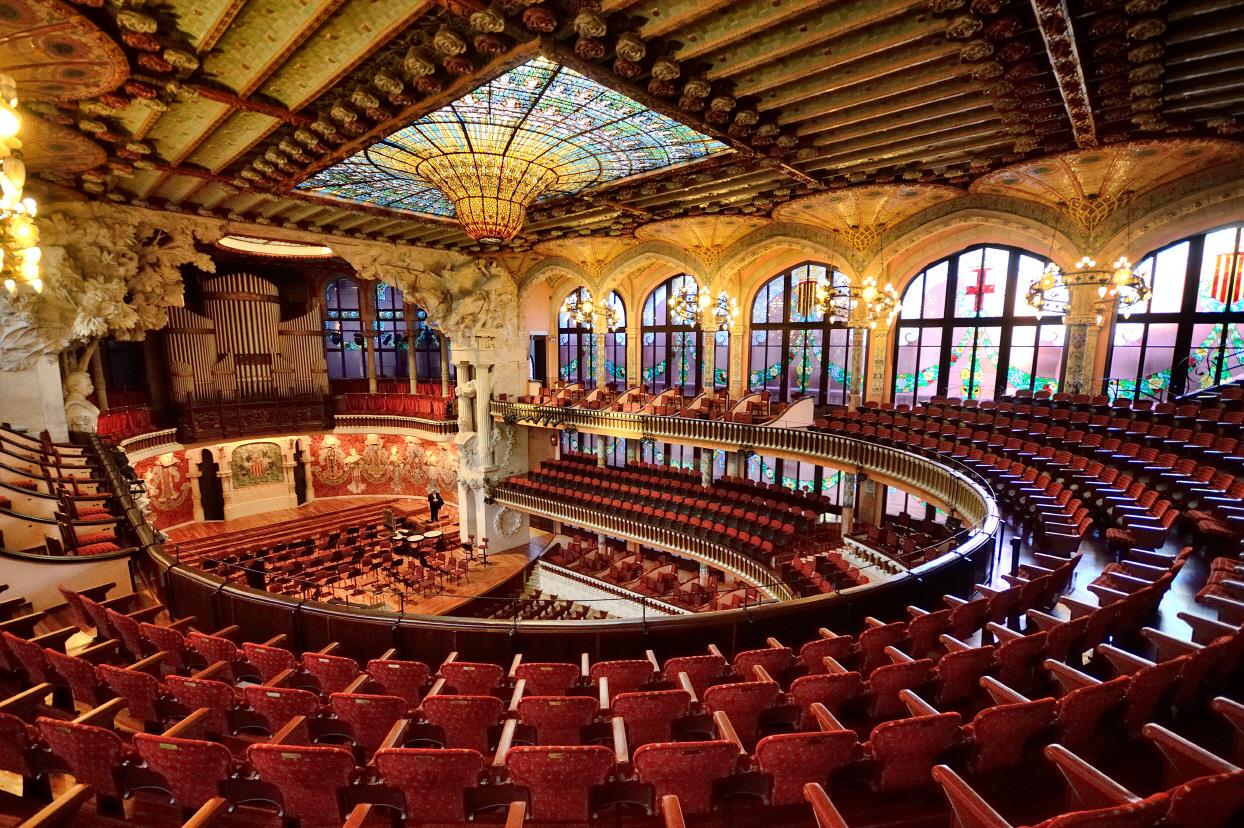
(368, 592)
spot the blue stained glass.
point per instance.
(587, 133)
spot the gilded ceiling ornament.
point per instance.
(136, 21)
(387, 84)
(963, 27)
(722, 103)
(363, 99)
(343, 114)
(630, 47)
(665, 69)
(746, 117)
(986, 8)
(697, 87)
(943, 6)
(1145, 52)
(487, 20)
(1145, 72)
(448, 42)
(182, 59)
(589, 23)
(418, 62)
(987, 71)
(976, 50)
(1137, 7)
(539, 19)
(1146, 29)
(590, 48)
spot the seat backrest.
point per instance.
(433, 780)
(93, 754)
(169, 640)
(775, 660)
(794, 759)
(78, 673)
(625, 676)
(309, 777)
(16, 738)
(370, 717)
(887, 681)
(686, 770)
(1000, 734)
(29, 655)
(465, 719)
(1080, 711)
(907, 749)
(958, 671)
(333, 672)
(191, 767)
(1215, 801)
(269, 661)
(557, 719)
(400, 678)
(702, 670)
(649, 714)
(194, 693)
(559, 778)
(833, 690)
(140, 690)
(1143, 813)
(813, 653)
(548, 678)
(472, 678)
(743, 702)
(280, 704)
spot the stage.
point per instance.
(210, 539)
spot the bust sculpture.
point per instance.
(80, 412)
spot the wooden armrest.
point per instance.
(150, 664)
(917, 705)
(952, 644)
(1001, 693)
(329, 649)
(98, 592)
(1069, 677)
(189, 727)
(182, 625)
(281, 679)
(1088, 787)
(279, 640)
(55, 640)
(714, 650)
(1051, 561)
(873, 622)
(102, 652)
(585, 666)
(1000, 633)
(897, 656)
(228, 632)
(621, 750)
(602, 690)
(519, 687)
(1168, 645)
(1148, 572)
(212, 671)
(824, 633)
(293, 733)
(652, 659)
(685, 683)
(1105, 595)
(103, 715)
(1205, 630)
(396, 735)
(966, 802)
(1043, 620)
(121, 603)
(825, 720)
(437, 687)
(23, 705)
(1036, 569)
(725, 730)
(832, 665)
(827, 816)
(671, 812)
(146, 613)
(518, 659)
(357, 685)
(774, 644)
(1185, 760)
(762, 674)
(952, 601)
(1123, 662)
(1077, 607)
(62, 810)
(1229, 609)
(913, 612)
(209, 812)
(503, 746)
(516, 814)
(986, 591)
(23, 626)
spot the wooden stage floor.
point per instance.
(451, 595)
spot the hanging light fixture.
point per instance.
(580, 307)
(684, 303)
(836, 299)
(1051, 293)
(19, 238)
(724, 310)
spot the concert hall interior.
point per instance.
(632, 413)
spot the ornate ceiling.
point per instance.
(221, 107)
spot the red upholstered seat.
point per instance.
(191, 767)
(334, 673)
(794, 759)
(1215, 801)
(168, 640)
(557, 719)
(547, 678)
(1001, 734)
(907, 749)
(140, 690)
(309, 778)
(370, 717)
(559, 778)
(701, 670)
(16, 741)
(1080, 711)
(215, 648)
(649, 714)
(834, 690)
(775, 661)
(80, 675)
(812, 654)
(129, 632)
(887, 681)
(686, 770)
(194, 693)
(743, 702)
(269, 661)
(278, 705)
(465, 719)
(407, 679)
(29, 657)
(92, 753)
(472, 678)
(433, 780)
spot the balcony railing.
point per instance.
(957, 490)
(619, 526)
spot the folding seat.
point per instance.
(80, 675)
(168, 640)
(277, 705)
(956, 674)
(192, 768)
(214, 648)
(795, 759)
(886, 683)
(1205, 790)
(1081, 714)
(687, 770)
(874, 639)
(128, 632)
(560, 778)
(433, 781)
(407, 679)
(558, 720)
(472, 678)
(1018, 655)
(218, 698)
(92, 754)
(29, 656)
(743, 702)
(141, 692)
(269, 661)
(905, 750)
(333, 672)
(966, 617)
(465, 719)
(1001, 735)
(547, 678)
(701, 670)
(775, 659)
(308, 778)
(649, 715)
(370, 717)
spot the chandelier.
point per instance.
(836, 299)
(1051, 293)
(19, 238)
(688, 304)
(580, 307)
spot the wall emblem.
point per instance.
(255, 464)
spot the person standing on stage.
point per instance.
(435, 502)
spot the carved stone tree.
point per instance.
(107, 272)
(473, 302)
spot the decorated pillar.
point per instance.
(708, 370)
(876, 387)
(632, 451)
(634, 360)
(1085, 314)
(411, 371)
(97, 379)
(737, 386)
(600, 329)
(602, 450)
(849, 482)
(706, 467)
(857, 368)
(444, 364)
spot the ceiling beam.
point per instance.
(1058, 33)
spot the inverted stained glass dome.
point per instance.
(538, 131)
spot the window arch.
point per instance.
(1189, 335)
(794, 353)
(672, 349)
(576, 345)
(343, 330)
(966, 329)
(391, 341)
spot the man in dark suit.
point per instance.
(435, 502)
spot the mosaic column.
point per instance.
(97, 379)
(444, 364)
(878, 349)
(847, 505)
(855, 393)
(601, 450)
(709, 365)
(706, 467)
(412, 371)
(1083, 331)
(634, 363)
(600, 330)
(738, 376)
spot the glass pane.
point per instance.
(1205, 357)
(1218, 285)
(1168, 286)
(912, 299)
(1028, 271)
(804, 363)
(935, 290)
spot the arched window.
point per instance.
(966, 329)
(1190, 334)
(795, 350)
(391, 341)
(343, 330)
(673, 348)
(615, 343)
(576, 345)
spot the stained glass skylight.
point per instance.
(538, 131)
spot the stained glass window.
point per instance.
(428, 343)
(672, 349)
(615, 343)
(343, 330)
(795, 350)
(579, 134)
(576, 346)
(966, 329)
(390, 340)
(1190, 334)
